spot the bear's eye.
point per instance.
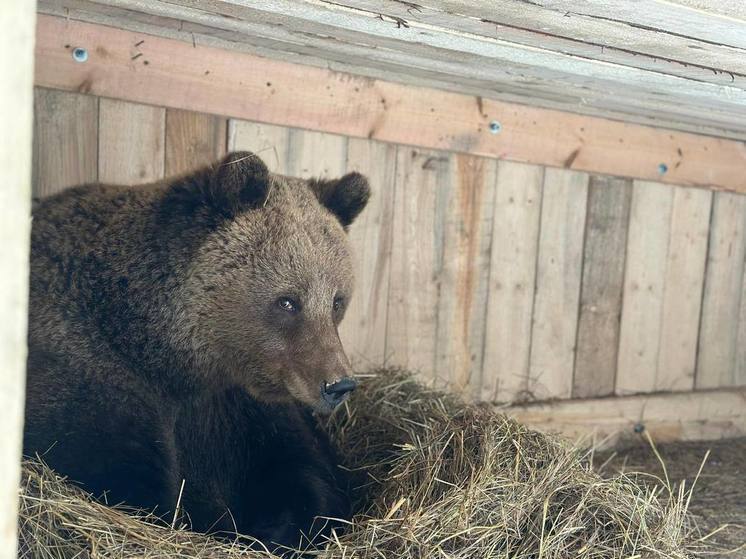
(338, 303)
(287, 304)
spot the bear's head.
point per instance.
(265, 290)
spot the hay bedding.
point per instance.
(434, 478)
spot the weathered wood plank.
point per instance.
(422, 184)
(372, 43)
(16, 122)
(679, 416)
(682, 299)
(193, 140)
(316, 154)
(271, 143)
(65, 140)
(210, 80)
(739, 378)
(718, 335)
(601, 292)
(644, 284)
(131, 142)
(462, 301)
(363, 331)
(512, 280)
(558, 277)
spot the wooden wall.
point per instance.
(506, 281)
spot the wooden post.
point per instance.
(17, 20)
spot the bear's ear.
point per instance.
(238, 182)
(345, 197)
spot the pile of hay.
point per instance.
(435, 479)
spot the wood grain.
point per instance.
(16, 122)
(512, 280)
(131, 141)
(462, 300)
(271, 143)
(614, 422)
(422, 185)
(363, 331)
(193, 140)
(206, 79)
(316, 154)
(558, 277)
(601, 292)
(718, 334)
(644, 284)
(65, 140)
(682, 300)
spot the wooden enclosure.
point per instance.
(506, 281)
(582, 268)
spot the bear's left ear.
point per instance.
(345, 197)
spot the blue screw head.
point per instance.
(495, 127)
(662, 168)
(80, 54)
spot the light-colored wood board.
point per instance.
(65, 140)
(682, 299)
(421, 186)
(601, 39)
(644, 280)
(601, 291)
(131, 141)
(512, 280)
(739, 378)
(211, 80)
(269, 142)
(368, 44)
(17, 124)
(193, 140)
(558, 277)
(462, 301)
(718, 334)
(363, 331)
(613, 422)
(316, 154)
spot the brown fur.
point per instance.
(158, 352)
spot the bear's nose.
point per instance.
(336, 392)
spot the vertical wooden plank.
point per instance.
(558, 275)
(316, 154)
(363, 331)
(269, 142)
(462, 301)
(512, 279)
(601, 290)
(718, 335)
(193, 140)
(739, 375)
(642, 300)
(65, 140)
(682, 300)
(131, 141)
(416, 258)
(16, 122)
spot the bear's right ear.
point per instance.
(240, 181)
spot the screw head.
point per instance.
(495, 127)
(662, 168)
(80, 54)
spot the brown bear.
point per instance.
(185, 332)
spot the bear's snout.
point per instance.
(337, 392)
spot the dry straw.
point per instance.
(433, 479)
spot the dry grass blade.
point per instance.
(433, 478)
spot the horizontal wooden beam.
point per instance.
(166, 72)
(617, 421)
